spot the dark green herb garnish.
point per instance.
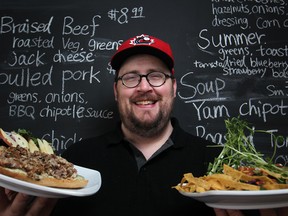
(239, 149)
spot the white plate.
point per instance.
(93, 177)
(242, 199)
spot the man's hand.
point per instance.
(19, 204)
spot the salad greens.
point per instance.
(27, 135)
(239, 149)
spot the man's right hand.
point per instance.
(19, 204)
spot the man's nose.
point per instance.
(144, 84)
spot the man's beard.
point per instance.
(146, 129)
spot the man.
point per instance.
(148, 153)
(144, 156)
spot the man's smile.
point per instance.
(146, 102)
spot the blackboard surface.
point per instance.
(231, 60)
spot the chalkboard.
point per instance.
(231, 60)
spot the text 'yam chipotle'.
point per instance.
(33, 160)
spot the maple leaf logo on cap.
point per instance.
(142, 39)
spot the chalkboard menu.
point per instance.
(231, 60)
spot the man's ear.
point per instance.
(115, 91)
(175, 87)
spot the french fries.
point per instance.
(230, 179)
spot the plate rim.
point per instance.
(236, 193)
(229, 199)
(44, 191)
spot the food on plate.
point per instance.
(31, 159)
(24, 139)
(239, 149)
(239, 166)
(231, 179)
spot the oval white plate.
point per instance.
(93, 177)
(242, 199)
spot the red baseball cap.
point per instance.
(143, 44)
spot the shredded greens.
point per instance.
(239, 149)
(27, 135)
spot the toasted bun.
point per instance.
(78, 182)
(7, 139)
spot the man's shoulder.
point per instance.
(95, 143)
(181, 135)
(101, 139)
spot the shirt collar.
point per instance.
(116, 135)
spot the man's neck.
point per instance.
(148, 145)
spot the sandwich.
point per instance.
(33, 160)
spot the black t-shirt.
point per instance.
(125, 190)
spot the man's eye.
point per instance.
(155, 76)
(132, 77)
